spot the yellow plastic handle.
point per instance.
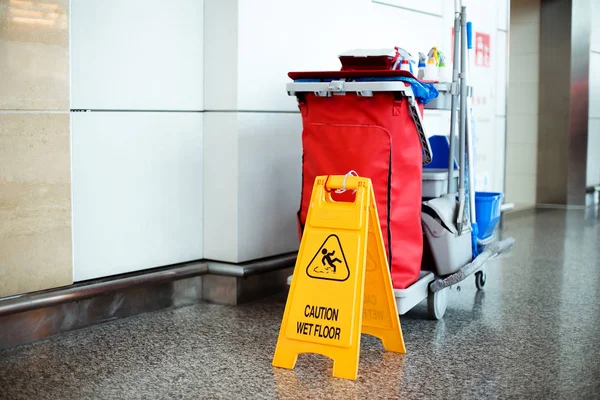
(324, 212)
(348, 182)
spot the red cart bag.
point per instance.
(377, 137)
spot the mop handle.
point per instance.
(469, 131)
(463, 98)
(453, 106)
(470, 35)
(463, 104)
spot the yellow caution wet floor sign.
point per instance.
(341, 285)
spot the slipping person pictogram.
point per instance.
(329, 261)
(327, 258)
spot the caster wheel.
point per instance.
(437, 303)
(480, 279)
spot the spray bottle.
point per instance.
(422, 65)
(431, 70)
(405, 65)
(443, 69)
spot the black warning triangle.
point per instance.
(329, 262)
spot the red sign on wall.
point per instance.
(482, 49)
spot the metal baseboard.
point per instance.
(254, 267)
(85, 290)
(240, 283)
(39, 315)
(223, 289)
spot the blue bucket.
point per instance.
(440, 147)
(487, 212)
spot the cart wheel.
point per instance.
(437, 303)
(480, 278)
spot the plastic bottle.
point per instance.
(431, 70)
(435, 54)
(422, 65)
(443, 70)
(414, 62)
(405, 65)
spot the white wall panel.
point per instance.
(137, 54)
(252, 184)
(436, 123)
(593, 153)
(501, 72)
(497, 179)
(431, 6)
(270, 183)
(594, 93)
(220, 54)
(595, 39)
(502, 21)
(276, 37)
(221, 180)
(137, 191)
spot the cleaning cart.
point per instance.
(367, 120)
(458, 222)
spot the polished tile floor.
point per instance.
(532, 333)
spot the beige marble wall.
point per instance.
(35, 198)
(523, 107)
